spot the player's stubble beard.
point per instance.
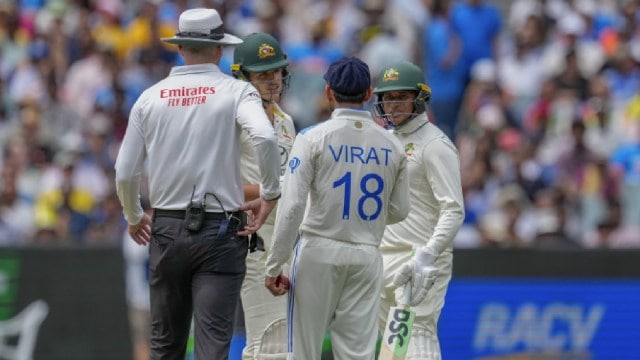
(270, 91)
(272, 95)
(402, 119)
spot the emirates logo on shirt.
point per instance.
(187, 96)
(187, 91)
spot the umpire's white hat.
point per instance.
(201, 27)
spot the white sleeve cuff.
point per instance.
(269, 195)
(425, 257)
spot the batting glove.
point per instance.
(422, 274)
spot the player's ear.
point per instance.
(368, 94)
(218, 51)
(329, 93)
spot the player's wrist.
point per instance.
(135, 221)
(425, 257)
(273, 272)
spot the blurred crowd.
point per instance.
(542, 98)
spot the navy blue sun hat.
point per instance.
(348, 76)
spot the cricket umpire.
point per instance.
(186, 129)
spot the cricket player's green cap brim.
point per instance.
(266, 67)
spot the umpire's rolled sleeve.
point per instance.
(128, 167)
(269, 158)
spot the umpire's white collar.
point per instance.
(194, 69)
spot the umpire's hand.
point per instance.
(141, 232)
(259, 210)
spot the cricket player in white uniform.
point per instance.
(354, 174)
(419, 249)
(260, 60)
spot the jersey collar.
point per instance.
(413, 125)
(350, 112)
(194, 69)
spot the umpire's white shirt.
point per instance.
(188, 127)
(354, 174)
(437, 207)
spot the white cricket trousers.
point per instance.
(336, 287)
(260, 307)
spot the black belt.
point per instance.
(180, 214)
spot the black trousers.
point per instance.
(194, 275)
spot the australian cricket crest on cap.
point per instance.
(390, 75)
(265, 51)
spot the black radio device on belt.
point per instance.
(194, 215)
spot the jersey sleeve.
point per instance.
(399, 201)
(129, 166)
(441, 160)
(253, 119)
(297, 181)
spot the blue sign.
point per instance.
(529, 318)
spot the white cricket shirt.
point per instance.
(354, 174)
(187, 127)
(437, 207)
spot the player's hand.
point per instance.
(141, 232)
(422, 274)
(278, 285)
(258, 209)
